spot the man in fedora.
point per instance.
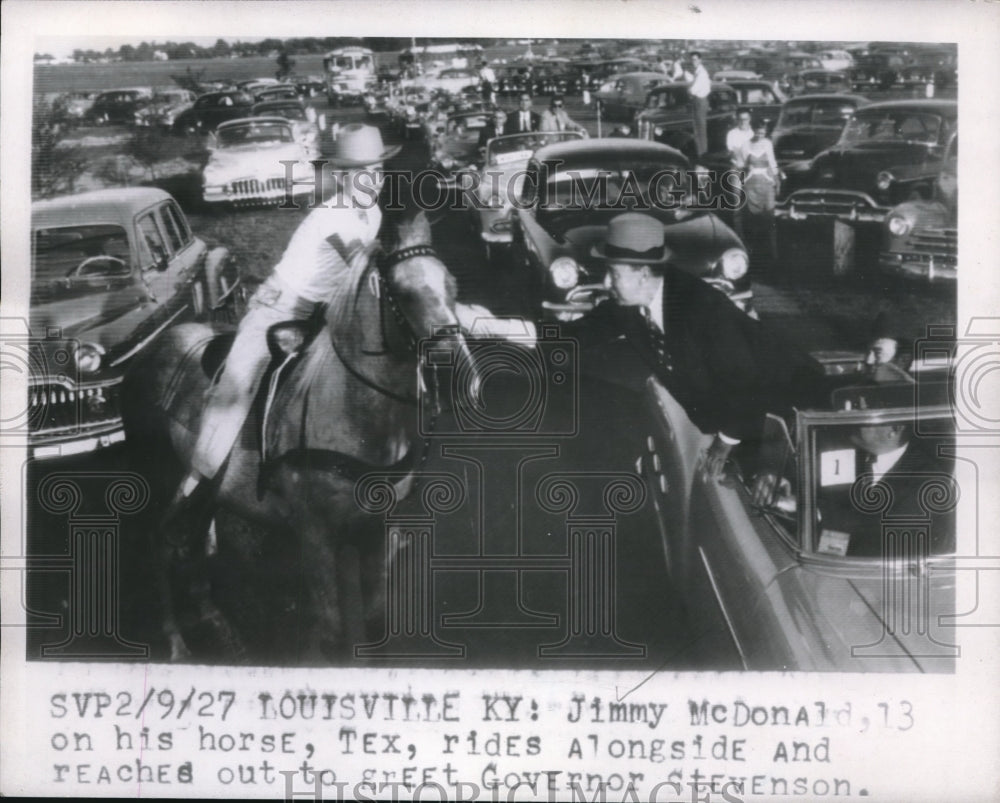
(711, 356)
(328, 242)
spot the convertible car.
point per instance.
(805, 557)
(246, 163)
(111, 269)
(570, 192)
(305, 123)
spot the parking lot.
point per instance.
(800, 297)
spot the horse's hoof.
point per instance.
(179, 652)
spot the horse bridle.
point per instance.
(382, 267)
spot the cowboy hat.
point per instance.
(359, 145)
(633, 238)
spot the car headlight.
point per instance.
(734, 264)
(658, 131)
(88, 357)
(564, 272)
(884, 180)
(446, 162)
(900, 226)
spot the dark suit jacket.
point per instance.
(721, 366)
(513, 124)
(487, 133)
(901, 490)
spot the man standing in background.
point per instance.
(699, 87)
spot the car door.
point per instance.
(162, 259)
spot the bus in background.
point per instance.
(349, 72)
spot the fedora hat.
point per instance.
(633, 238)
(359, 145)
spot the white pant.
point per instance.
(229, 399)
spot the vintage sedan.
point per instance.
(920, 240)
(888, 153)
(451, 80)
(571, 191)
(623, 96)
(455, 147)
(274, 92)
(211, 109)
(835, 59)
(246, 163)
(877, 71)
(164, 107)
(760, 97)
(818, 568)
(809, 124)
(667, 118)
(117, 106)
(111, 270)
(306, 124)
(812, 81)
(501, 180)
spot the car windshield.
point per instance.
(594, 195)
(667, 100)
(290, 112)
(254, 134)
(79, 252)
(519, 147)
(814, 113)
(899, 125)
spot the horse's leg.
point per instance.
(374, 571)
(352, 606)
(164, 559)
(324, 630)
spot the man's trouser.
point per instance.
(700, 108)
(229, 399)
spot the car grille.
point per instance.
(55, 409)
(845, 205)
(942, 244)
(255, 188)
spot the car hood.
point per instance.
(857, 167)
(104, 318)
(254, 157)
(805, 141)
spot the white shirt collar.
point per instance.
(884, 462)
(655, 309)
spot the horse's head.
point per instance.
(423, 290)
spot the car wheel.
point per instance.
(190, 129)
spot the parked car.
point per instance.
(211, 109)
(501, 181)
(456, 149)
(623, 96)
(602, 71)
(667, 117)
(877, 71)
(786, 583)
(571, 191)
(761, 98)
(110, 270)
(309, 86)
(117, 106)
(306, 124)
(812, 81)
(835, 59)
(809, 124)
(729, 76)
(451, 80)
(164, 107)
(920, 240)
(245, 163)
(264, 94)
(75, 104)
(888, 153)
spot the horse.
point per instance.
(331, 411)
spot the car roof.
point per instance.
(242, 121)
(581, 149)
(283, 103)
(948, 108)
(841, 97)
(642, 74)
(114, 204)
(684, 84)
(749, 83)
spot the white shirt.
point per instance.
(701, 84)
(884, 462)
(654, 312)
(487, 74)
(736, 139)
(324, 244)
(525, 123)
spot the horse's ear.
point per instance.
(415, 230)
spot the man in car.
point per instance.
(328, 242)
(884, 359)
(524, 120)
(714, 359)
(494, 128)
(555, 117)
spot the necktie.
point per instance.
(524, 122)
(559, 122)
(865, 467)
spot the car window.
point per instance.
(68, 251)
(721, 101)
(151, 244)
(755, 95)
(177, 235)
